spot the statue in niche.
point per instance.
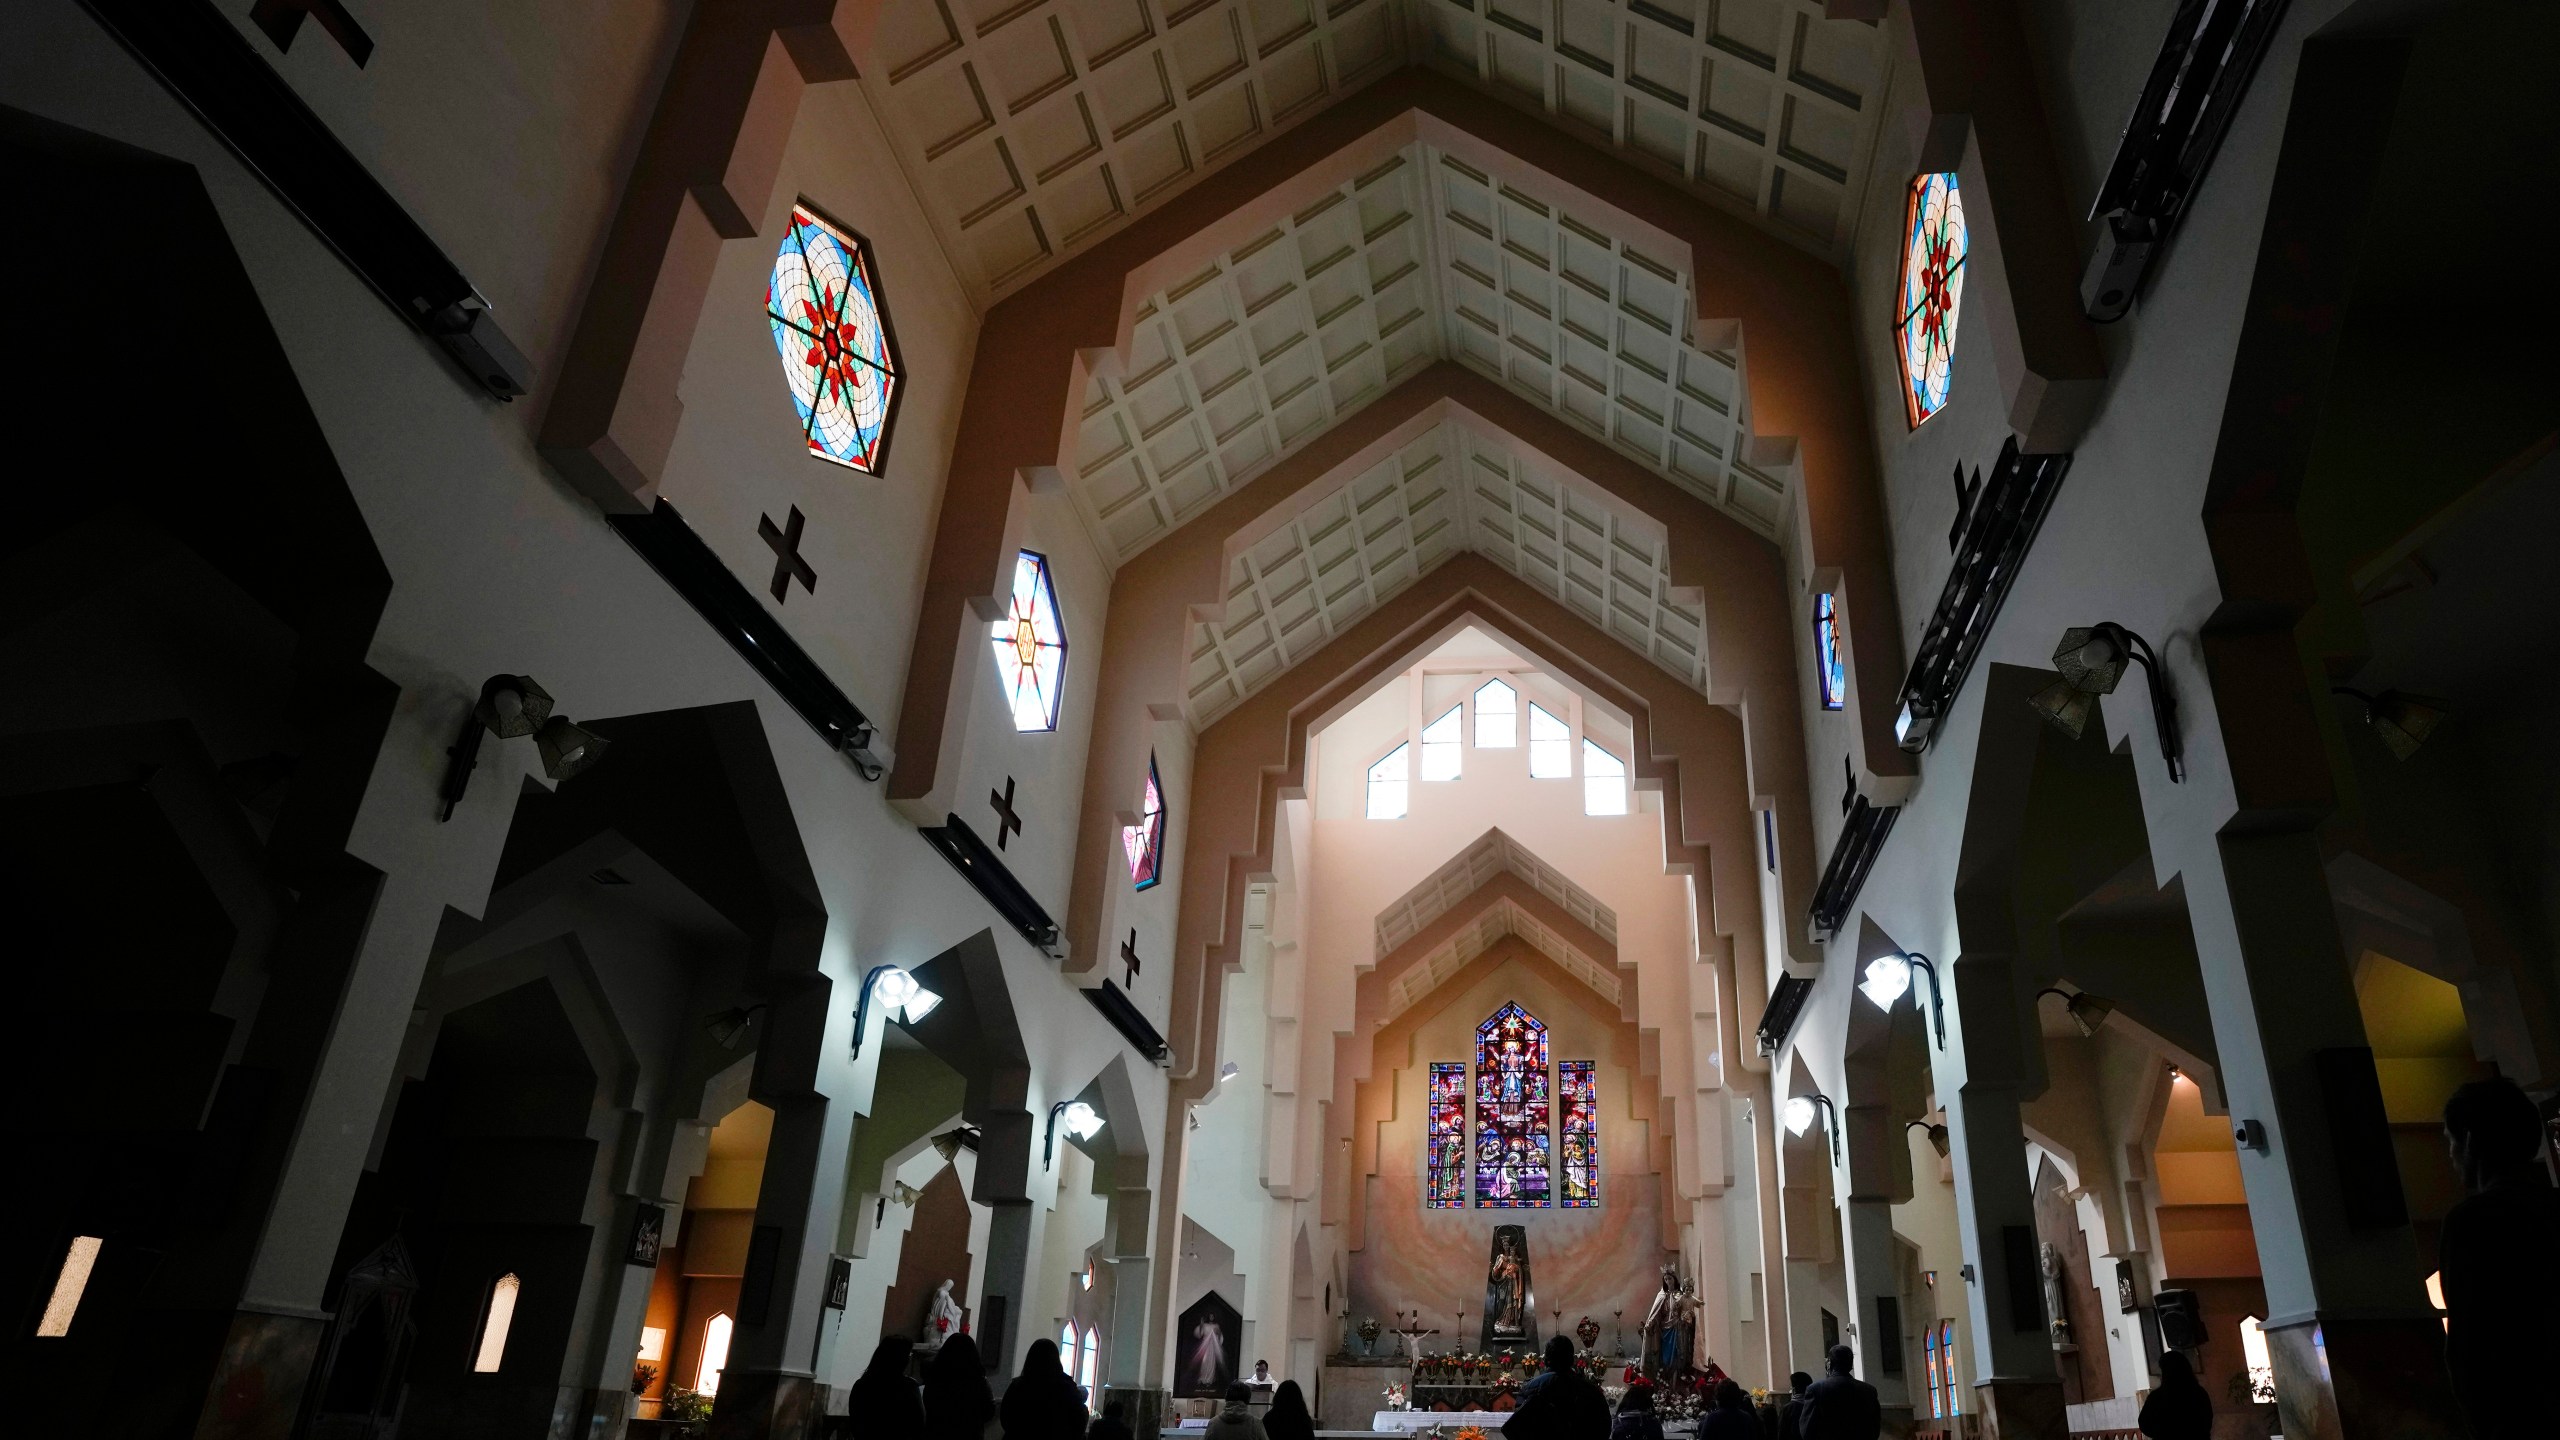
(1509, 1297)
(941, 1317)
(1662, 1326)
(2057, 1318)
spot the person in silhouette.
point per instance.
(1042, 1403)
(1235, 1419)
(957, 1403)
(1840, 1406)
(1561, 1403)
(1637, 1419)
(2501, 1263)
(1114, 1424)
(2178, 1408)
(1791, 1414)
(882, 1404)
(1731, 1419)
(1287, 1419)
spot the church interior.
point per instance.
(1274, 690)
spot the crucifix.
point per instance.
(1008, 822)
(282, 20)
(1129, 956)
(787, 564)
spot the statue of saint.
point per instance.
(941, 1317)
(1662, 1326)
(1507, 1289)
(2057, 1317)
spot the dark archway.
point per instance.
(185, 608)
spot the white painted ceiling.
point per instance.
(1489, 856)
(1034, 127)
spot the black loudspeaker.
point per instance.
(2115, 271)
(2181, 1319)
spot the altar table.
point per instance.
(1406, 1421)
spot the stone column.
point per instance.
(1008, 1166)
(2017, 1390)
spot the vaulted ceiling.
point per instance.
(1466, 873)
(1034, 127)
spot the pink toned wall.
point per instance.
(1588, 1261)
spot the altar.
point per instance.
(1395, 1422)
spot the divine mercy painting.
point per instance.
(1208, 1337)
(1510, 1301)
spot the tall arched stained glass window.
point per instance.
(1578, 1087)
(1445, 1172)
(1145, 840)
(823, 302)
(1511, 1111)
(1830, 672)
(1031, 646)
(1933, 248)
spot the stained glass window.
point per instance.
(1604, 782)
(1929, 1362)
(1830, 671)
(1145, 840)
(1031, 646)
(823, 302)
(1550, 746)
(1578, 1086)
(1947, 1366)
(1445, 1174)
(1511, 1111)
(1088, 1360)
(1497, 716)
(1933, 247)
(1441, 744)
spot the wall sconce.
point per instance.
(1083, 1122)
(1937, 1135)
(1229, 1071)
(2401, 721)
(1800, 1117)
(1889, 975)
(906, 997)
(2087, 1011)
(510, 707)
(730, 1026)
(2092, 661)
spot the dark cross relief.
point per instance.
(787, 564)
(1008, 821)
(1129, 957)
(282, 20)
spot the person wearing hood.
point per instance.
(957, 1403)
(1235, 1419)
(1287, 1418)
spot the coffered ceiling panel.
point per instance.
(1452, 883)
(1034, 127)
(1421, 259)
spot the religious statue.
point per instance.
(1507, 1297)
(1662, 1326)
(2057, 1318)
(941, 1317)
(1690, 1307)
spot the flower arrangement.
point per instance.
(641, 1376)
(1469, 1432)
(1397, 1398)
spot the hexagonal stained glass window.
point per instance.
(823, 302)
(1031, 646)
(1924, 328)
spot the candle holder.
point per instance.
(1618, 1331)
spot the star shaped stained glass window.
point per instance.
(1031, 646)
(823, 302)
(1924, 329)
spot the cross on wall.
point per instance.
(787, 564)
(1008, 820)
(1129, 957)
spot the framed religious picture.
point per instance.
(1206, 1341)
(839, 1282)
(648, 1235)
(2125, 1302)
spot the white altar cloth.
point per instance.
(1405, 1421)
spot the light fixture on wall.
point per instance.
(2088, 1012)
(1229, 1071)
(1889, 975)
(1083, 1123)
(1800, 1118)
(896, 988)
(2401, 721)
(730, 1026)
(1937, 1134)
(511, 707)
(2092, 662)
